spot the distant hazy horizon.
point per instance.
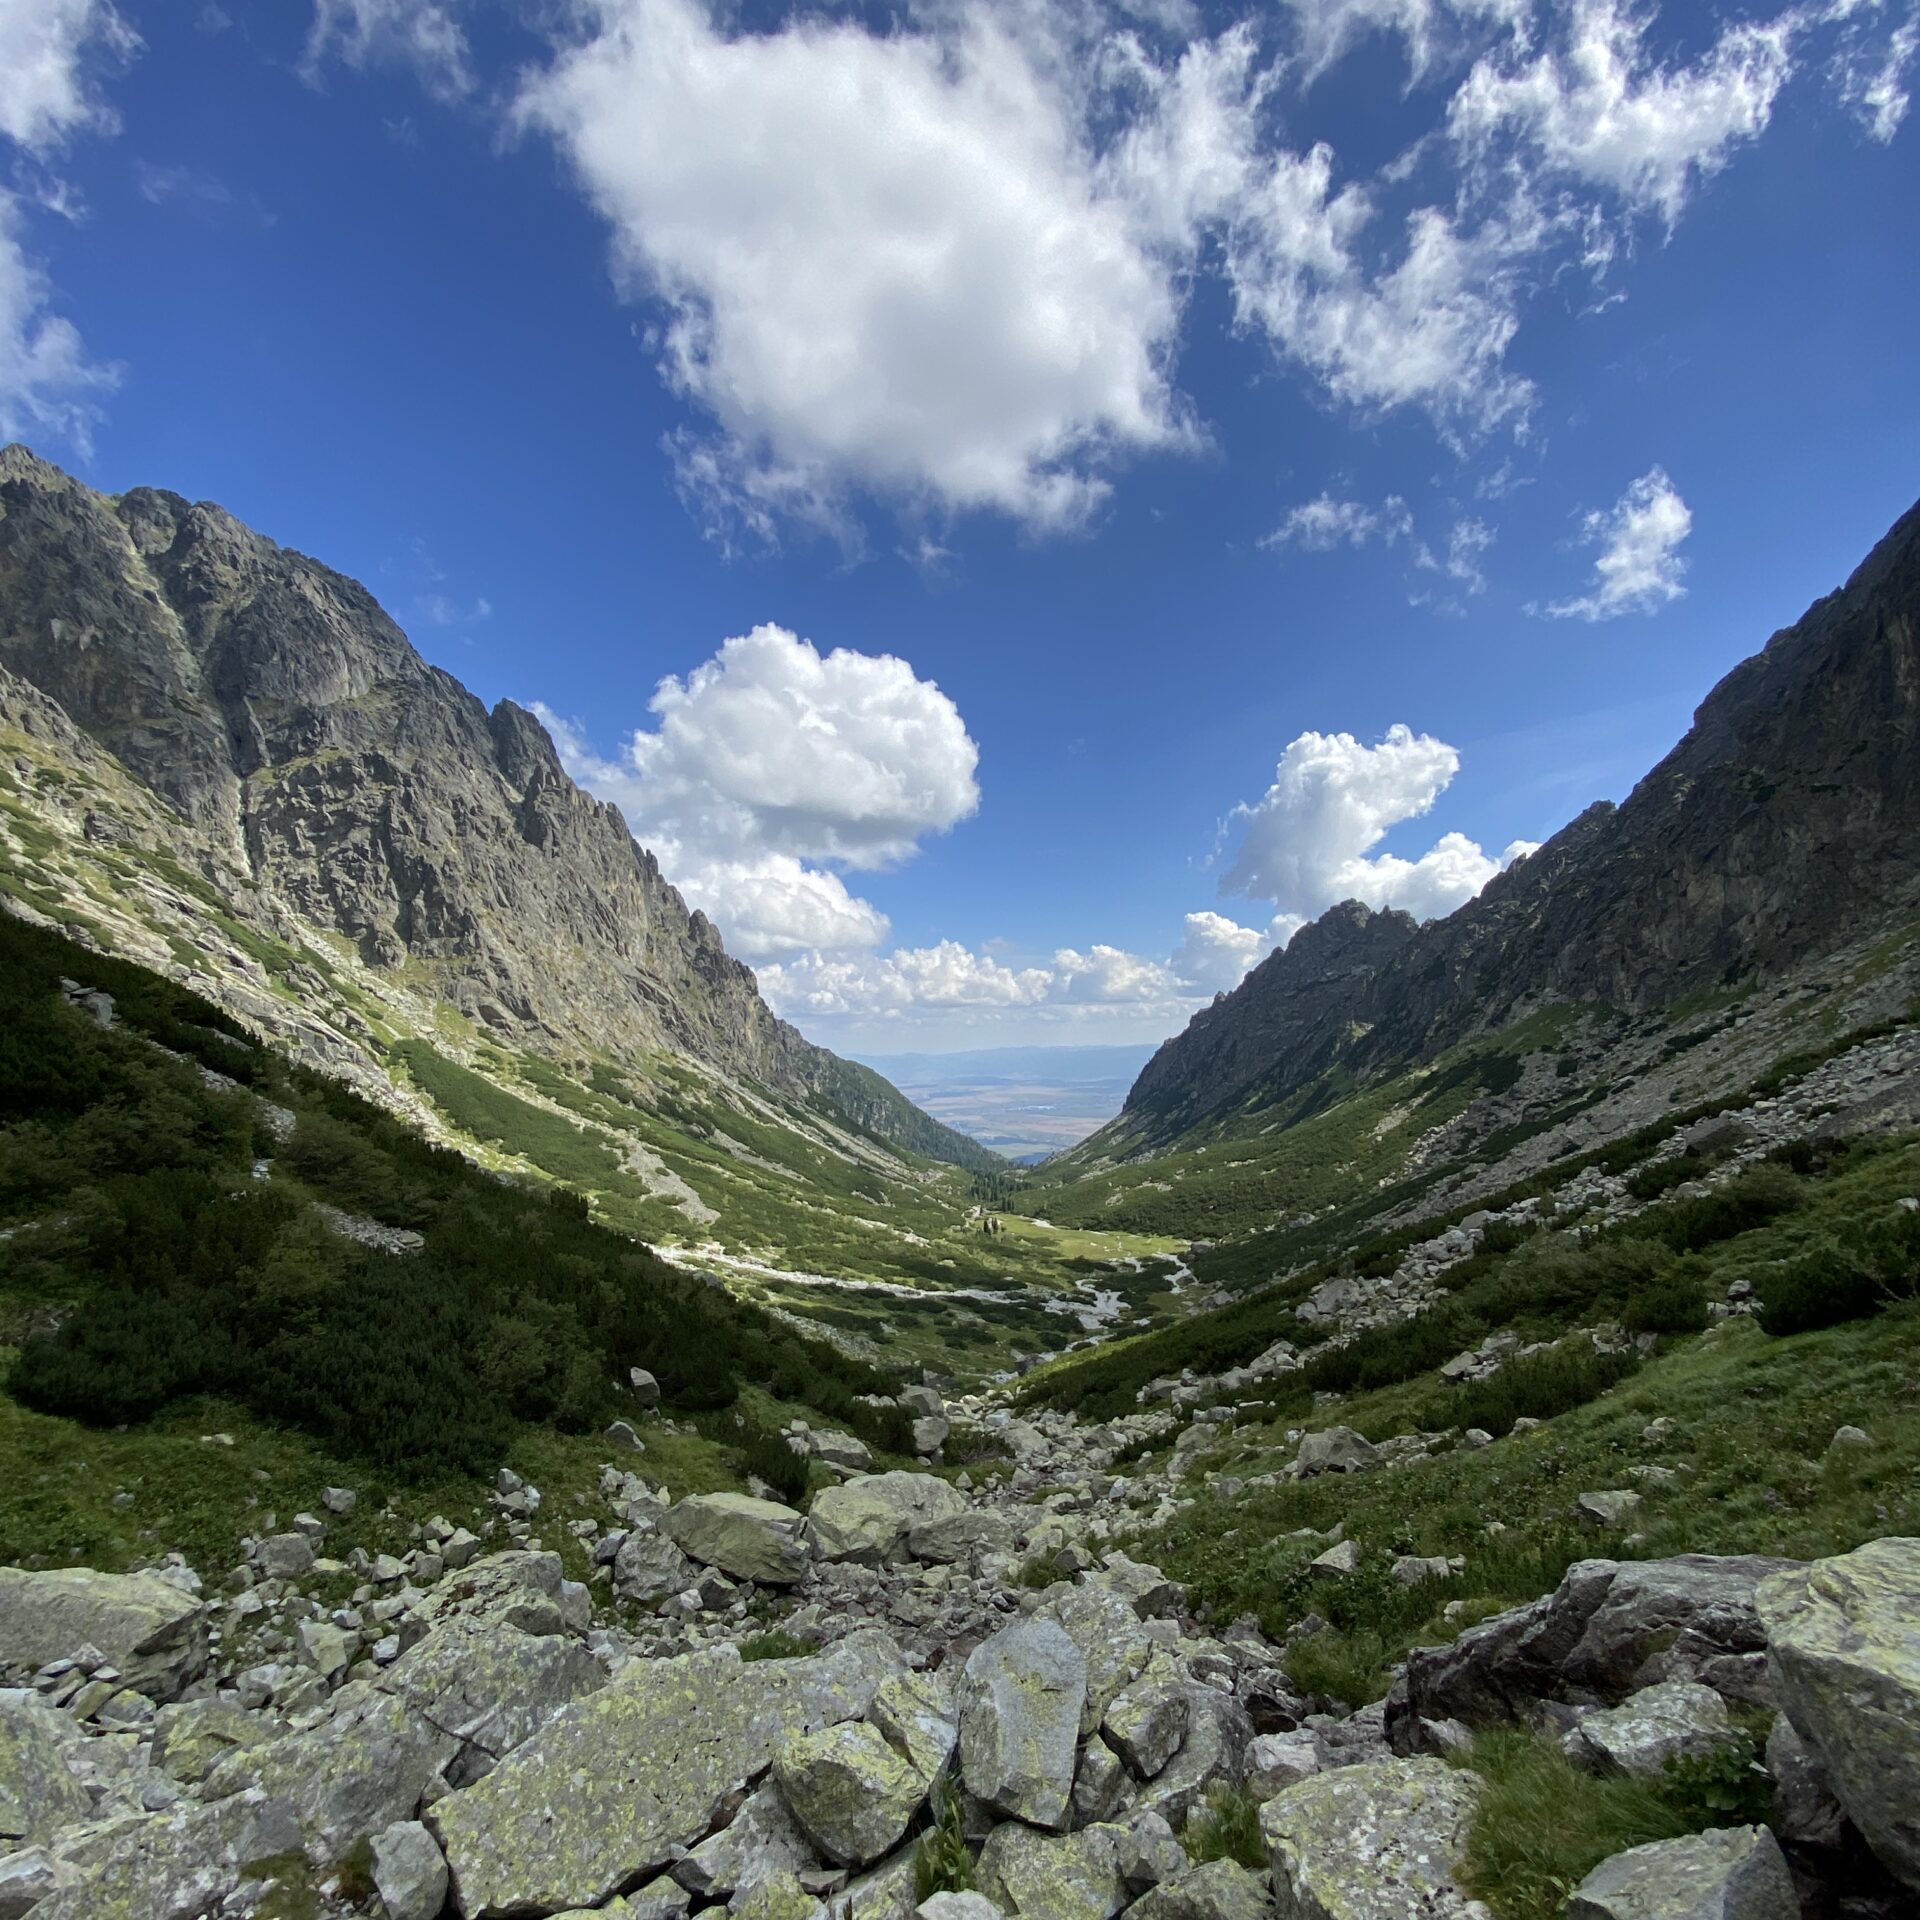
(1020, 1101)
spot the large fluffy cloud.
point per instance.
(50, 54)
(772, 764)
(1638, 567)
(885, 259)
(1308, 841)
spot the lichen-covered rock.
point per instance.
(1733, 1873)
(1102, 1787)
(1147, 1720)
(1149, 1853)
(192, 1737)
(748, 1538)
(649, 1568)
(1371, 1843)
(966, 1535)
(1215, 1890)
(408, 1872)
(1020, 1704)
(38, 1794)
(26, 1878)
(1109, 1635)
(1213, 1754)
(871, 1517)
(152, 1631)
(612, 1785)
(779, 1896)
(958, 1906)
(352, 1776)
(517, 1589)
(170, 1866)
(1845, 1650)
(762, 1838)
(1677, 1720)
(851, 1793)
(1335, 1450)
(1277, 1761)
(886, 1892)
(920, 1718)
(490, 1687)
(1041, 1876)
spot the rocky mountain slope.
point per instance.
(1785, 824)
(338, 792)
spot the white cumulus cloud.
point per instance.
(1430, 330)
(1215, 952)
(51, 52)
(1308, 842)
(1639, 566)
(892, 260)
(771, 764)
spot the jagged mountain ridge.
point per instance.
(357, 790)
(1786, 820)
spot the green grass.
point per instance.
(1227, 1827)
(1751, 1473)
(942, 1860)
(774, 1646)
(1541, 1825)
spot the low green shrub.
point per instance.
(775, 1645)
(1226, 1827)
(943, 1862)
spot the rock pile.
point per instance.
(832, 1715)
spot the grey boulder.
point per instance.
(1732, 1873)
(409, 1872)
(148, 1628)
(1371, 1843)
(1020, 1700)
(1677, 1720)
(1845, 1650)
(751, 1539)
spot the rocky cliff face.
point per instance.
(1785, 822)
(362, 793)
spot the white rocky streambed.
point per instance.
(473, 1734)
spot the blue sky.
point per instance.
(1022, 503)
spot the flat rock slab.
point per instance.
(154, 1632)
(606, 1791)
(1733, 1873)
(1372, 1843)
(1845, 1652)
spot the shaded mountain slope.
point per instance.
(1785, 823)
